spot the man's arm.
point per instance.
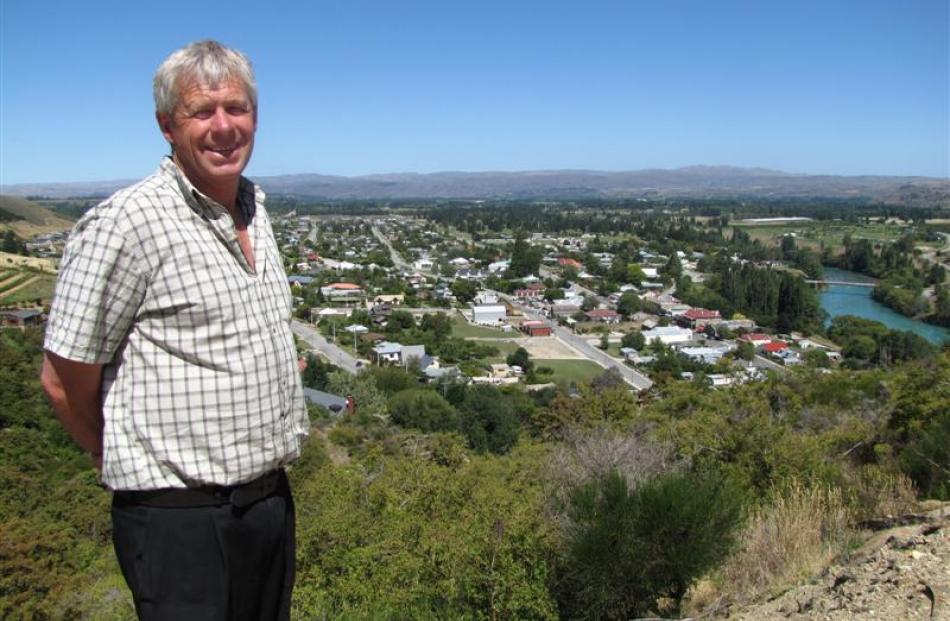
(74, 389)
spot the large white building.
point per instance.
(668, 335)
(492, 314)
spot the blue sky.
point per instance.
(356, 87)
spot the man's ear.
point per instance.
(165, 124)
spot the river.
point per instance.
(845, 300)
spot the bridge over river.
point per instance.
(846, 283)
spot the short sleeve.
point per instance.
(98, 292)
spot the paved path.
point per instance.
(328, 350)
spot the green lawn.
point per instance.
(569, 370)
(463, 329)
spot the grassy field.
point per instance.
(463, 329)
(8, 260)
(504, 348)
(815, 234)
(40, 289)
(569, 370)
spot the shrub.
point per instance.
(628, 549)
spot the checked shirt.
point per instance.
(200, 383)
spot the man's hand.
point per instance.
(74, 391)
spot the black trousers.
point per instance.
(212, 563)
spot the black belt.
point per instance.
(241, 495)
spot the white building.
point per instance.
(424, 264)
(668, 335)
(489, 314)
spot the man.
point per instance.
(169, 358)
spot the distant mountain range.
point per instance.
(692, 181)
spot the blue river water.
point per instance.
(845, 300)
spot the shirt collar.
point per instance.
(249, 194)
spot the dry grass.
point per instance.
(878, 493)
(8, 260)
(782, 543)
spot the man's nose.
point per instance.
(221, 121)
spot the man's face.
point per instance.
(212, 130)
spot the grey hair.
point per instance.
(207, 62)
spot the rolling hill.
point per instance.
(26, 218)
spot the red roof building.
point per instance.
(536, 328)
(702, 313)
(569, 262)
(773, 347)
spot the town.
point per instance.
(475, 372)
(574, 306)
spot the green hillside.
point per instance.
(27, 218)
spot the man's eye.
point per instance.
(201, 114)
(237, 110)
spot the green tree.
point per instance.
(398, 321)
(464, 290)
(520, 357)
(634, 339)
(525, 258)
(673, 268)
(439, 324)
(486, 422)
(628, 304)
(423, 409)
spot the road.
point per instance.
(328, 350)
(637, 380)
(398, 261)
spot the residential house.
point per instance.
(21, 318)
(298, 280)
(386, 351)
(706, 355)
(394, 299)
(603, 315)
(698, 318)
(471, 274)
(498, 266)
(565, 307)
(720, 380)
(342, 292)
(424, 264)
(397, 353)
(774, 347)
(756, 338)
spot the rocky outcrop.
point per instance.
(901, 572)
